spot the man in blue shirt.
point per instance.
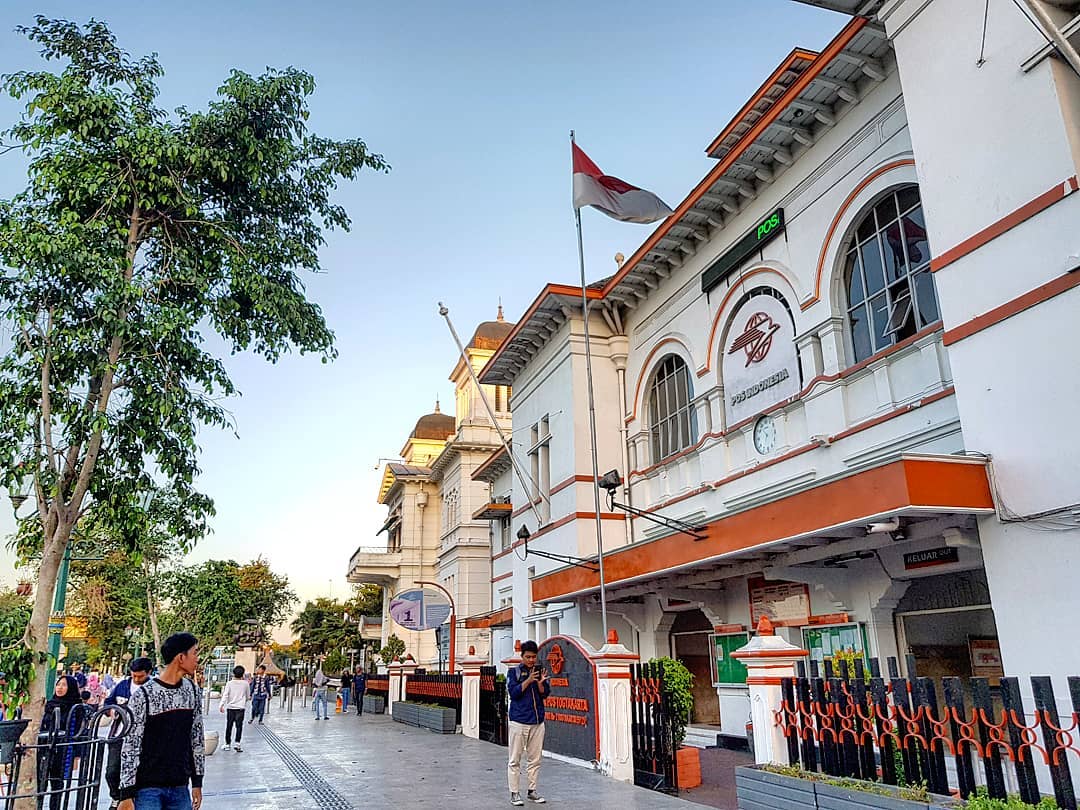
(121, 693)
(527, 685)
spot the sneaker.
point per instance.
(238, 748)
(515, 800)
(533, 796)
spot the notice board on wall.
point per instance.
(787, 604)
(725, 669)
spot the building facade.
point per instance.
(432, 534)
(815, 364)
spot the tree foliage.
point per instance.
(210, 599)
(325, 625)
(16, 661)
(139, 231)
(394, 648)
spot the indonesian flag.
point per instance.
(616, 198)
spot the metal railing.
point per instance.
(70, 761)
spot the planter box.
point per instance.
(444, 721)
(688, 762)
(405, 712)
(761, 790)
(376, 704)
(834, 797)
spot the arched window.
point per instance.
(671, 418)
(890, 291)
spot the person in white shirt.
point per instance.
(234, 700)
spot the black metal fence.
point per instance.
(442, 690)
(655, 765)
(903, 731)
(69, 760)
(493, 725)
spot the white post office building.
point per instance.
(849, 362)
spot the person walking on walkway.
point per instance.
(65, 717)
(164, 751)
(260, 694)
(346, 691)
(119, 696)
(527, 685)
(319, 682)
(234, 698)
(359, 684)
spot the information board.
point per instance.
(419, 609)
(824, 642)
(570, 709)
(725, 669)
(787, 604)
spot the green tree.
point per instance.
(211, 598)
(138, 232)
(321, 627)
(394, 648)
(15, 659)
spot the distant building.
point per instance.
(432, 533)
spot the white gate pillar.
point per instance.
(613, 713)
(408, 667)
(470, 693)
(393, 694)
(768, 658)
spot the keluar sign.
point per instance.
(570, 710)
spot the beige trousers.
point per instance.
(529, 740)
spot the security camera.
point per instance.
(610, 481)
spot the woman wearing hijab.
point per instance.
(64, 717)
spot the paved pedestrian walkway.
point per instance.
(350, 763)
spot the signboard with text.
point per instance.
(930, 557)
(570, 709)
(419, 609)
(787, 604)
(760, 361)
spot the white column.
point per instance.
(393, 694)
(613, 714)
(470, 693)
(768, 659)
(408, 667)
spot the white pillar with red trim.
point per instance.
(613, 701)
(393, 694)
(768, 658)
(470, 693)
(408, 667)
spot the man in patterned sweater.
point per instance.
(163, 753)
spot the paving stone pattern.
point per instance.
(351, 763)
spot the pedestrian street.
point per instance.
(348, 763)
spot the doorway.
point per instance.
(690, 644)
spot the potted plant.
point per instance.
(376, 704)
(793, 788)
(679, 695)
(17, 664)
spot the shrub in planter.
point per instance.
(758, 789)
(438, 718)
(679, 694)
(376, 704)
(406, 712)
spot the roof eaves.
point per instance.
(702, 188)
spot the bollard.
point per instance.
(292, 692)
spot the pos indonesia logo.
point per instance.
(757, 338)
(556, 660)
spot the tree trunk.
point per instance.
(37, 639)
(151, 608)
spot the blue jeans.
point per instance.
(345, 699)
(167, 798)
(320, 699)
(258, 707)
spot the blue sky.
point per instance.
(472, 104)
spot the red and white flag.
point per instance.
(616, 198)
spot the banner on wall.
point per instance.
(760, 363)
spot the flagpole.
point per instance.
(592, 417)
(494, 421)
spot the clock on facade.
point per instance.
(765, 435)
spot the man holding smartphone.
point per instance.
(527, 685)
